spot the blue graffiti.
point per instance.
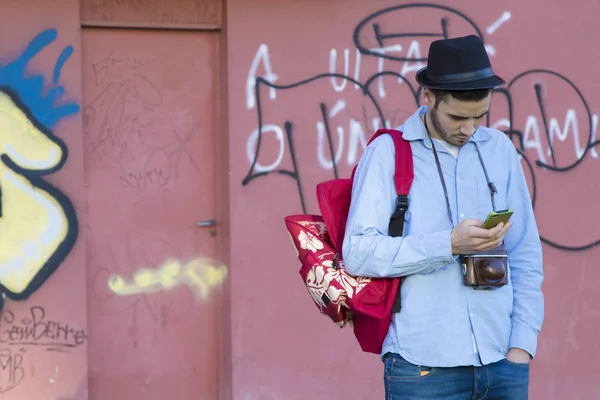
(30, 88)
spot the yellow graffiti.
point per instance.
(201, 275)
(35, 233)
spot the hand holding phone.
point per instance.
(495, 217)
(469, 237)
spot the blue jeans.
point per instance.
(503, 380)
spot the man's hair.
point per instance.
(462, 95)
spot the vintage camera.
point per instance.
(486, 270)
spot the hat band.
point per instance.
(462, 77)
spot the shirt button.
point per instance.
(458, 180)
(462, 216)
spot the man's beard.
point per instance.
(435, 121)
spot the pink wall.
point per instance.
(154, 277)
(43, 339)
(60, 324)
(282, 347)
(111, 288)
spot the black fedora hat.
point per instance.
(458, 64)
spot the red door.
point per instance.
(150, 99)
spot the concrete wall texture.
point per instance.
(128, 127)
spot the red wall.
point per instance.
(57, 339)
(282, 347)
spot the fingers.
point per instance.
(487, 245)
(487, 233)
(495, 232)
(498, 234)
(469, 237)
(507, 227)
(491, 245)
(502, 230)
(484, 245)
(472, 222)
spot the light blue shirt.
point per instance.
(442, 323)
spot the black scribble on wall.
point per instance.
(124, 129)
(380, 29)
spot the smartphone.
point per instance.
(495, 217)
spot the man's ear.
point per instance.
(428, 97)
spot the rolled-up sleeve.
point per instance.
(368, 250)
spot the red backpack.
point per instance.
(366, 304)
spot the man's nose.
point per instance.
(468, 128)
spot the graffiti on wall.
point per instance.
(200, 275)
(153, 283)
(125, 126)
(34, 328)
(38, 225)
(20, 334)
(371, 85)
(12, 369)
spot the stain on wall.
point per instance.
(200, 275)
(38, 223)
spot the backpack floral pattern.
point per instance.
(326, 279)
(365, 304)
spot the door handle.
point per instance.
(207, 223)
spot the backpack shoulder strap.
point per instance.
(404, 173)
(403, 177)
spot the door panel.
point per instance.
(154, 299)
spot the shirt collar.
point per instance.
(414, 129)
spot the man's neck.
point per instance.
(431, 131)
(452, 149)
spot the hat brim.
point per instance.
(484, 83)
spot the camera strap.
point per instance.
(490, 184)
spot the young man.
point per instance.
(450, 341)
